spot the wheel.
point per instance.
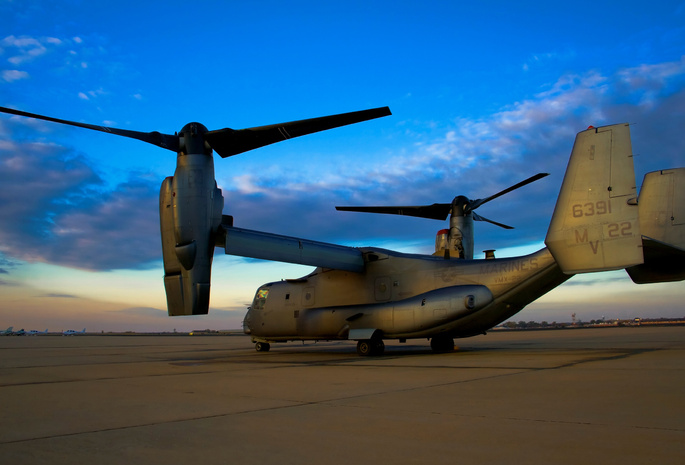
(441, 344)
(378, 347)
(364, 347)
(262, 346)
(369, 347)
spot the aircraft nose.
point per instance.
(246, 322)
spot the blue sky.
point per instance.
(483, 95)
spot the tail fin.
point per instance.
(595, 225)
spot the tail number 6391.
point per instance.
(601, 207)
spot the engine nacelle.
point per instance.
(190, 207)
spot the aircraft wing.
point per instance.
(267, 246)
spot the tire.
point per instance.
(365, 348)
(378, 347)
(370, 347)
(262, 346)
(442, 344)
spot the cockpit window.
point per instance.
(260, 299)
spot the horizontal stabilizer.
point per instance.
(595, 224)
(662, 223)
(663, 263)
(267, 246)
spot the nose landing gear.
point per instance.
(262, 346)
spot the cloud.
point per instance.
(36, 56)
(24, 48)
(538, 59)
(91, 94)
(60, 296)
(12, 75)
(61, 213)
(7, 264)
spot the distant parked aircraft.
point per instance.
(35, 332)
(71, 332)
(7, 332)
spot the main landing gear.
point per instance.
(369, 347)
(441, 344)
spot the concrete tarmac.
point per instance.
(584, 396)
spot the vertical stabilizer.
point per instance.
(595, 225)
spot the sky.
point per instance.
(483, 95)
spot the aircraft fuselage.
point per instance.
(401, 296)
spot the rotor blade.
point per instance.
(228, 142)
(477, 217)
(164, 141)
(437, 211)
(478, 202)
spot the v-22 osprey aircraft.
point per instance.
(599, 223)
(370, 294)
